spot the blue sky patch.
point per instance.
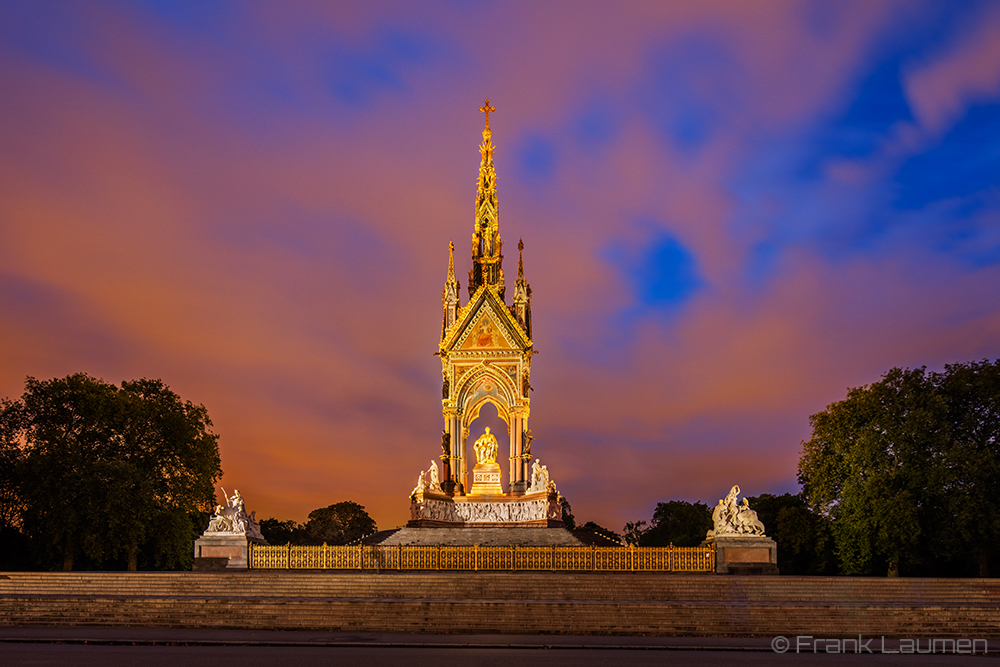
(355, 76)
(879, 103)
(536, 158)
(663, 273)
(964, 162)
(596, 125)
(54, 35)
(193, 15)
(680, 94)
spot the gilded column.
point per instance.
(457, 464)
(462, 453)
(514, 435)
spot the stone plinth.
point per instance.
(539, 509)
(744, 554)
(232, 546)
(486, 480)
(525, 536)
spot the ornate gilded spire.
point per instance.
(487, 246)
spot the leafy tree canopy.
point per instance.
(103, 474)
(282, 532)
(677, 522)
(339, 523)
(805, 541)
(633, 532)
(908, 471)
(567, 514)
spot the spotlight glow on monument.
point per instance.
(485, 352)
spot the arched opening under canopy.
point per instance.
(488, 414)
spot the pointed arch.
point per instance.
(486, 380)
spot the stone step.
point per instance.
(513, 586)
(509, 617)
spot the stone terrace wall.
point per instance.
(557, 603)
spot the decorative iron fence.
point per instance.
(483, 558)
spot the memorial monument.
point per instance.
(485, 351)
(739, 539)
(225, 543)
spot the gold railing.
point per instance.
(481, 558)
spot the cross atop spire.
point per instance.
(486, 109)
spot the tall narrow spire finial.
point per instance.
(522, 293)
(450, 294)
(520, 259)
(487, 246)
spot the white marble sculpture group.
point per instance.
(540, 479)
(428, 481)
(486, 512)
(733, 518)
(234, 520)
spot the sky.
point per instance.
(731, 212)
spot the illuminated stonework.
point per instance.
(485, 346)
(485, 352)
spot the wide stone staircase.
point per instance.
(508, 602)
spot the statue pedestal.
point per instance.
(433, 510)
(210, 548)
(737, 553)
(486, 480)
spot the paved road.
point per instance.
(252, 656)
(101, 647)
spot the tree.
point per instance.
(14, 547)
(805, 541)
(339, 523)
(597, 529)
(908, 470)
(968, 521)
(633, 532)
(677, 522)
(105, 472)
(282, 532)
(567, 514)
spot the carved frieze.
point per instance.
(482, 511)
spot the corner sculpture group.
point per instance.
(732, 518)
(232, 518)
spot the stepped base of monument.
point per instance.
(631, 603)
(210, 564)
(533, 509)
(541, 536)
(746, 569)
(431, 523)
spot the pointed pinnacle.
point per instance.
(520, 259)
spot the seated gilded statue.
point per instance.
(486, 448)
